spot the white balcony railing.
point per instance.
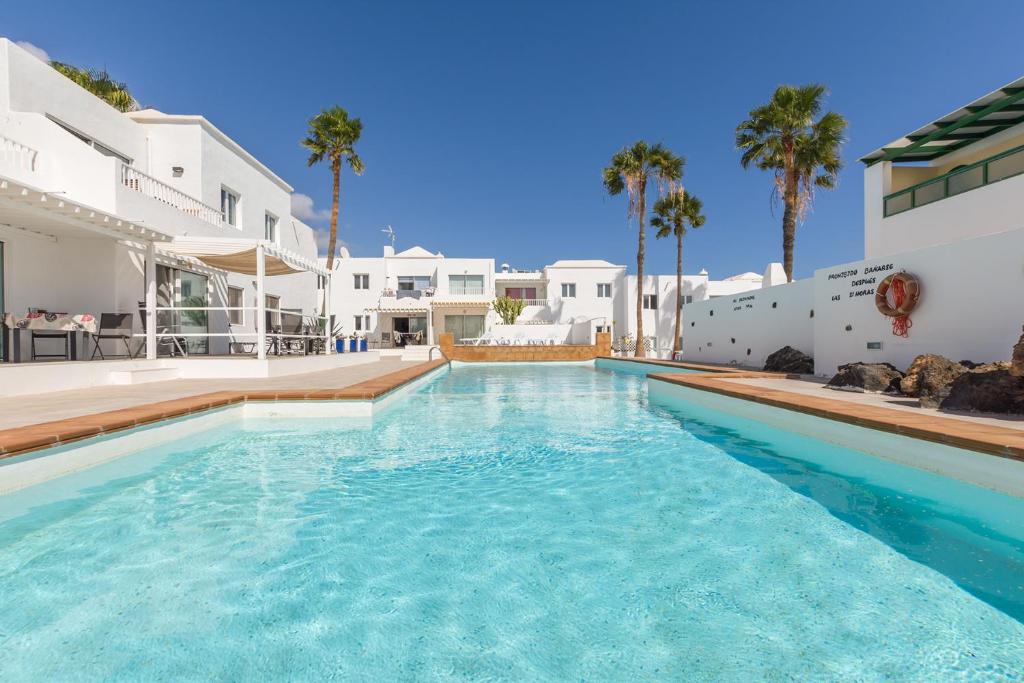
(534, 302)
(17, 155)
(138, 181)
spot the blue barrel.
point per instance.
(352, 344)
(339, 345)
(362, 344)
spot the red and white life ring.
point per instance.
(895, 297)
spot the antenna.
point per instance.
(391, 233)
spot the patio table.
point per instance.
(48, 322)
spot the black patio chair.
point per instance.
(164, 337)
(115, 326)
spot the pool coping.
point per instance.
(19, 440)
(993, 440)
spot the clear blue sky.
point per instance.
(486, 124)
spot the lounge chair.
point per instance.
(115, 326)
(163, 336)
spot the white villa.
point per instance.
(944, 203)
(139, 214)
(409, 297)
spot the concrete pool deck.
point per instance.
(34, 422)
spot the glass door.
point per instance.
(3, 307)
(193, 290)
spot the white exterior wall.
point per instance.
(586, 307)
(661, 322)
(94, 273)
(745, 328)
(970, 307)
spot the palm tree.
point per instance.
(672, 213)
(332, 135)
(630, 170)
(803, 153)
(100, 84)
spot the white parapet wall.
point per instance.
(743, 329)
(971, 308)
(971, 305)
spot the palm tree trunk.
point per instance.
(332, 241)
(641, 206)
(788, 236)
(676, 345)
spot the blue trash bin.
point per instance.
(339, 345)
(352, 344)
(362, 344)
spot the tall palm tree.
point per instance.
(803, 153)
(630, 169)
(332, 135)
(672, 213)
(100, 84)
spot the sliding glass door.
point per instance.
(3, 306)
(181, 288)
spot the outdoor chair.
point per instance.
(293, 333)
(117, 327)
(235, 346)
(163, 336)
(37, 334)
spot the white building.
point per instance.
(417, 294)
(89, 197)
(944, 203)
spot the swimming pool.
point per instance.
(509, 523)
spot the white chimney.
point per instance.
(504, 267)
(389, 250)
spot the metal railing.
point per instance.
(20, 156)
(136, 180)
(985, 172)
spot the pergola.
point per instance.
(260, 258)
(983, 117)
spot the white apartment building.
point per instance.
(92, 200)
(944, 203)
(413, 295)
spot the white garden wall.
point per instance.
(745, 328)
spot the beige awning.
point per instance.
(237, 255)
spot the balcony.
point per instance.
(18, 156)
(985, 172)
(137, 181)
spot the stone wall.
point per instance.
(492, 353)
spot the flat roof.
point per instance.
(1000, 109)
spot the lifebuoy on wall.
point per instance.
(895, 297)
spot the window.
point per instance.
(527, 293)
(688, 299)
(229, 207)
(183, 289)
(465, 284)
(236, 297)
(602, 328)
(568, 290)
(362, 323)
(362, 280)
(273, 304)
(604, 290)
(270, 227)
(464, 327)
(651, 302)
(413, 283)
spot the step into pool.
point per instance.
(520, 522)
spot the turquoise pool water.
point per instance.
(516, 523)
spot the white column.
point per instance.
(328, 340)
(430, 324)
(150, 301)
(261, 303)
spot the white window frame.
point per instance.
(229, 210)
(270, 223)
(360, 280)
(604, 290)
(362, 323)
(650, 299)
(568, 290)
(236, 317)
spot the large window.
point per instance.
(270, 227)
(236, 299)
(361, 281)
(466, 284)
(688, 299)
(528, 293)
(604, 290)
(273, 304)
(651, 302)
(362, 323)
(229, 207)
(413, 283)
(568, 290)
(182, 289)
(464, 326)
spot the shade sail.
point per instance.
(237, 255)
